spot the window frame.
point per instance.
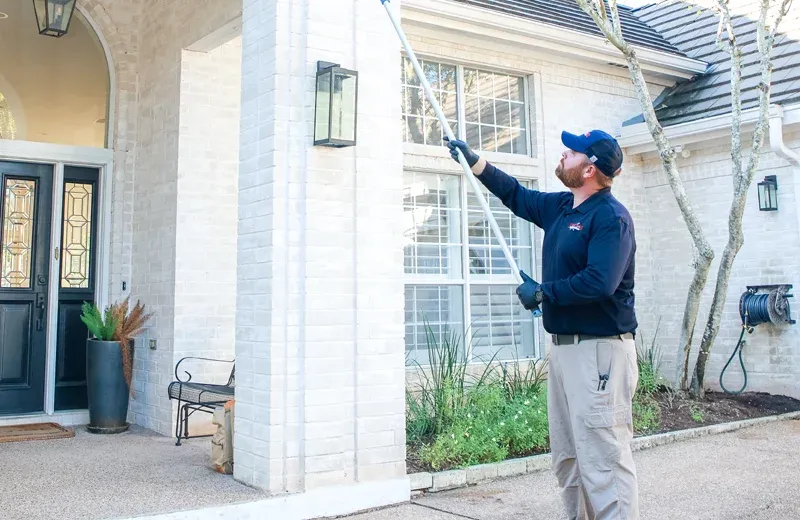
(532, 145)
(466, 280)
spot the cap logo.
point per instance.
(588, 134)
(593, 158)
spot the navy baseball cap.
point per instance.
(602, 149)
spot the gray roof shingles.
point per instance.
(567, 14)
(692, 29)
(684, 29)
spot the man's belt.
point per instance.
(572, 339)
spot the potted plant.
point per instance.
(109, 362)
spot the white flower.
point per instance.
(502, 424)
(530, 429)
(452, 435)
(494, 440)
(526, 403)
(469, 416)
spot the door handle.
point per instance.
(40, 304)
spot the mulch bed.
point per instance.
(677, 409)
(679, 412)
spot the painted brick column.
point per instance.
(319, 320)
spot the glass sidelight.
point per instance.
(76, 283)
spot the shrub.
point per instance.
(490, 429)
(433, 403)
(646, 413)
(646, 410)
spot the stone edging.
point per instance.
(444, 480)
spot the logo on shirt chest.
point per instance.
(575, 226)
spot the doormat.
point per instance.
(34, 432)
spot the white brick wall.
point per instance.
(318, 226)
(164, 29)
(769, 256)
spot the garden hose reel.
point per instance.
(759, 304)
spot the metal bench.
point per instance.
(195, 397)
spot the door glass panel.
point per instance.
(18, 207)
(76, 238)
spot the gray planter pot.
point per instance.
(107, 391)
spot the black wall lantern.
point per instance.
(53, 16)
(337, 98)
(768, 194)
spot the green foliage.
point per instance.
(646, 410)
(434, 402)
(646, 414)
(697, 413)
(103, 329)
(518, 381)
(649, 360)
(490, 429)
(455, 420)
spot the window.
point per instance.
(456, 272)
(494, 110)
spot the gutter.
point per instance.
(636, 139)
(521, 32)
(776, 144)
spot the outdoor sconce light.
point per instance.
(53, 16)
(768, 194)
(335, 114)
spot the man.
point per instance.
(587, 304)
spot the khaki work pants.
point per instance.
(591, 427)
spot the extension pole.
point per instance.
(461, 159)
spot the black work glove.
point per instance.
(457, 145)
(530, 292)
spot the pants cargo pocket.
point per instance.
(607, 430)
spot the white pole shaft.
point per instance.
(449, 132)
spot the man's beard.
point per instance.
(571, 178)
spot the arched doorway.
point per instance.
(56, 90)
(55, 175)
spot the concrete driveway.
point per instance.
(751, 474)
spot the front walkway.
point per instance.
(750, 474)
(111, 476)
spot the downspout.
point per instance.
(779, 147)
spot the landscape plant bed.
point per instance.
(677, 412)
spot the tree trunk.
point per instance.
(735, 241)
(703, 254)
(702, 265)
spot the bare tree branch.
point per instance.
(783, 11)
(615, 21)
(703, 254)
(601, 20)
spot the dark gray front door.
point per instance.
(25, 212)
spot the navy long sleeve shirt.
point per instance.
(587, 256)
